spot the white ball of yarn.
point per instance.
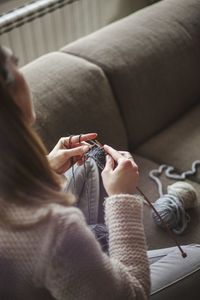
(185, 192)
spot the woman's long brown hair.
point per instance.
(25, 174)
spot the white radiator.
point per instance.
(46, 25)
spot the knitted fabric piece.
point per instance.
(98, 154)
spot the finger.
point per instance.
(83, 144)
(114, 153)
(73, 140)
(110, 164)
(78, 151)
(83, 137)
(88, 136)
(126, 154)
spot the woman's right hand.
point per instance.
(120, 175)
(60, 158)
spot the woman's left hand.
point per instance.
(68, 151)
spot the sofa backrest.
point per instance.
(152, 61)
(72, 96)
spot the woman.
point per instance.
(47, 250)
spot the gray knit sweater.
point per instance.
(50, 253)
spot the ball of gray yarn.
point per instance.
(185, 192)
(172, 212)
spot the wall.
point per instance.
(55, 30)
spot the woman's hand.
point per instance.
(68, 151)
(120, 175)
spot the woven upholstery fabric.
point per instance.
(156, 236)
(72, 96)
(152, 62)
(178, 145)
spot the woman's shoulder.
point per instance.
(28, 215)
(66, 214)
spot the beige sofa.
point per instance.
(137, 83)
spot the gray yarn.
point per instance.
(169, 206)
(172, 212)
(168, 173)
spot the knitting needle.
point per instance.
(86, 144)
(95, 142)
(98, 143)
(164, 223)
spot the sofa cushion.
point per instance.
(72, 96)
(156, 236)
(178, 145)
(152, 61)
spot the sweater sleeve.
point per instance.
(78, 269)
(127, 243)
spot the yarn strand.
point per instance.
(180, 196)
(168, 173)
